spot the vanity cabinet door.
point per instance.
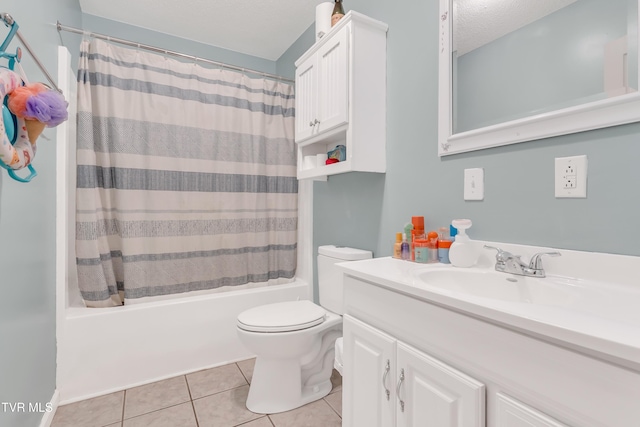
(511, 413)
(431, 393)
(368, 389)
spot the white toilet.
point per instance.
(294, 341)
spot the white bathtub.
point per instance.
(110, 349)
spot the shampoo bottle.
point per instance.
(404, 249)
(463, 252)
(397, 247)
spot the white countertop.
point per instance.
(610, 339)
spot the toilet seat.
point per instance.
(282, 317)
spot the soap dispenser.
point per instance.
(463, 252)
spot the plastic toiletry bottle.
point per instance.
(444, 243)
(432, 247)
(421, 248)
(397, 247)
(404, 248)
(416, 233)
(463, 252)
(408, 232)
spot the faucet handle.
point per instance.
(536, 260)
(502, 256)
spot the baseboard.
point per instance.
(47, 418)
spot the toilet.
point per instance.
(294, 341)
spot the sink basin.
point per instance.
(496, 285)
(603, 300)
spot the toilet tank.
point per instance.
(330, 280)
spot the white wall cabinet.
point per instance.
(389, 383)
(321, 88)
(341, 98)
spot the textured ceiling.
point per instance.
(262, 28)
(478, 22)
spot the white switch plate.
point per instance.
(474, 184)
(571, 177)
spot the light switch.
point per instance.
(474, 184)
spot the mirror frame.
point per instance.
(592, 115)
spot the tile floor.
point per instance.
(210, 398)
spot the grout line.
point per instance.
(245, 377)
(255, 419)
(124, 404)
(193, 406)
(332, 408)
(155, 410)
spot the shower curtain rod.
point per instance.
(9, 21)
(167, 52)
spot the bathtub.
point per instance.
(110, 349)
(103, 350)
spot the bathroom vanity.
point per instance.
(498, 350)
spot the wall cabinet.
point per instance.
(341, 98)
(321, 88)
(389, 383)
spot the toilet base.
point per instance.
(276, 387)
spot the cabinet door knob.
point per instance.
(316, 122)
(398, 390)
(311, 124)
(387, 368)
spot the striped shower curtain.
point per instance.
(186, 178)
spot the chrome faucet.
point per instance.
(510, 263)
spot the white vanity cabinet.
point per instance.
(463, 370)
(389, 383)
(341, 98)
(511, 413)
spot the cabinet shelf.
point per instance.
(326, 170)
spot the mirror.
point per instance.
(515, 71)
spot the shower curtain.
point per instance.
(186, 177)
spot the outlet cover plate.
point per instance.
(474, 184)
(571, 177)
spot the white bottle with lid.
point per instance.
(463, 252)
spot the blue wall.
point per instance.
(27, 211)
(365, 210)
(27, 237)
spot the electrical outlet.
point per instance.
(571, 177)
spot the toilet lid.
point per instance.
(282, 317)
